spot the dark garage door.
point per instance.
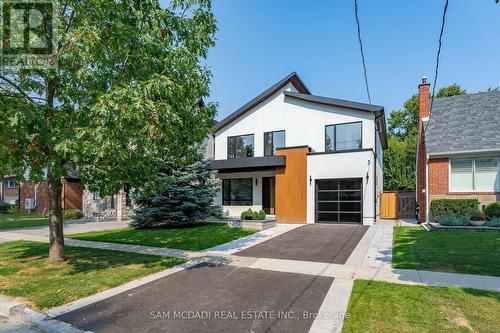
(339, 200)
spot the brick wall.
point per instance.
(424, 110)
(71, 196)
(438, 176)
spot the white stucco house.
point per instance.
(300, 157)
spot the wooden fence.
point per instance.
(397, 205)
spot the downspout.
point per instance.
(427, 188)
(375, 168)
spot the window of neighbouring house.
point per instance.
(11, 184)
(343, 137)
(237, 192)
(240, 146)
(486, 174)
(96, 196)
(474, 174)
(272, 141)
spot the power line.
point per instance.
(362, 51)
(443, 21)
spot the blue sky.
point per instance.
(260, 41)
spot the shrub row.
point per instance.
(458, 207)
(72, 214)
(253, 215)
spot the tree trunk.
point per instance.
(56, 236)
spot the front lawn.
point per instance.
(387, 307)
(195, 238)
(447, 251)
(26, 274)
(12, 221)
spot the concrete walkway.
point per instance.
(71, 227)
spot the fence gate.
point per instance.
(407, 205)
(397, 205)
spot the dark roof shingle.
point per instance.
(466, 123)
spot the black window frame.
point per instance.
(226, 201)
(234, 150)
(338, 200)
(335, 137)
(272, 141)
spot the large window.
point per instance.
(237, 192)
(240, 146)
(343, 137)
(11, 184)
(475, 174)
(272, 141)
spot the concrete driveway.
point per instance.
(210, 299)
(313, 242)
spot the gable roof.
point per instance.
(464, 124)
(304, 94)
(292, 77)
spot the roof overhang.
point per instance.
(458, 153)
(249, 164)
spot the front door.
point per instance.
(268, 195)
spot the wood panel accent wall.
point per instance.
(291, 186)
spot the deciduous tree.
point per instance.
(122, 98)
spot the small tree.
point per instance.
(184, 194)
(120, 100)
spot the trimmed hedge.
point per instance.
(460, 207)
(72, 214)
(493, 210)
(253, 215)
(4, 208)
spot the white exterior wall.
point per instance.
(304, 123)
(257, 191)
(379, 173)
(342, 165)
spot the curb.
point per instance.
(10, 308)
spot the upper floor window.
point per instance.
(475, 174)
(240, 146)
(343, 137)
(11, 184)
(272, 141)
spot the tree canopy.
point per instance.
(124, 96)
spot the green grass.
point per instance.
(26, 274)
(447, 251)
(195, 238)
(386, 307)
(12, 221)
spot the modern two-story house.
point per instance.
(300, 157)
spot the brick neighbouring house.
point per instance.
(458, 151)
(9, 190)
(72, 195)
